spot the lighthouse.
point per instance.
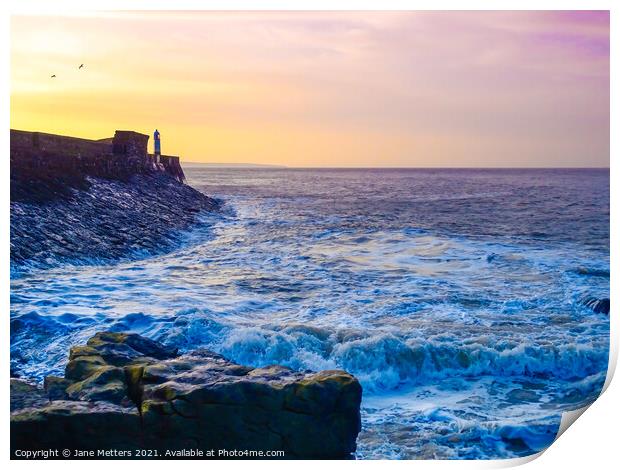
(157, 147)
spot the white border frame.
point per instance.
(593, 442)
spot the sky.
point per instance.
(316, 89)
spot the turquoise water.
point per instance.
(455, 296)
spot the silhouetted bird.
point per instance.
(81, 65)
(53, 76)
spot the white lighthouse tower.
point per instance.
(157, 146)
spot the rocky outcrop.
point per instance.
(597, 305)
(123, 391)
(103, 222)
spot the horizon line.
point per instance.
(275, 166)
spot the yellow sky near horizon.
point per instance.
(348, 89)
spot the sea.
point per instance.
(456, 296)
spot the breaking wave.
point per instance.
(383, 361)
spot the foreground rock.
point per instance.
(25, 395)
(125, 392)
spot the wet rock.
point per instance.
(56, 388)
(591, 272)
(125, 391)
(105, 221)
(75, 425)
(597, 305)
(24, 395)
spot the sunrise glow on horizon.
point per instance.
(317, 89)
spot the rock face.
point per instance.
(104, 221)
(123, 391)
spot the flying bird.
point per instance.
(81, 65)
(53, 76)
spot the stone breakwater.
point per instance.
(83, 201)
(102, 220)
(48, 158)
(126, 392)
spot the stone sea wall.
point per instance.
(59, 144)
(37, 157)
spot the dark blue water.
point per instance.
(455, 296)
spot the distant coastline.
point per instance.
(232, 165)
(424, 168)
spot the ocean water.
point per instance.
(455, 296)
